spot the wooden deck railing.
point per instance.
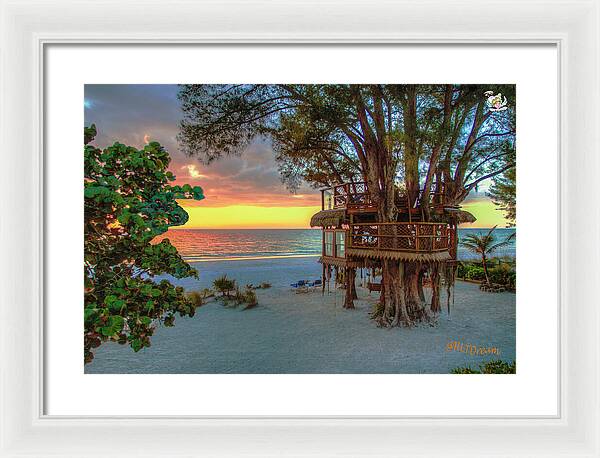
(347, 195)
(413, 237)
(356, 196)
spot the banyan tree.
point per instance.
(396, 161)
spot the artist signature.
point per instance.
(471, 349)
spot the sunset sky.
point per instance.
(241, 192)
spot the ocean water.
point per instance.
(500, 234)
(197, 245)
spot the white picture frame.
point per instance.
(28, 26)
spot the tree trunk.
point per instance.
(414, 305)
(420, 286)
(485, 269)
(435, 289)
(395, 272)
(350, 275)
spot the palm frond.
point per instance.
(502, 244)
(474, 247)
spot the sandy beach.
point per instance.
(311, 333)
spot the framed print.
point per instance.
(299, 236)
(259, 263)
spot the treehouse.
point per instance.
(354, 238)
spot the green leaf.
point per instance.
(107, 331)
(108, 300)
(124, 217)
(136, 344)
(146, 320)
(117, 305)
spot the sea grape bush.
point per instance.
(128, 202)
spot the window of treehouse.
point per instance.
(328, 243)
(340, 246)
(327, 200)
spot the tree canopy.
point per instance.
(504, 193)
(412, 136)
(128, 202)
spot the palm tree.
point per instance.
(485, 245)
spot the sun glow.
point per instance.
(248, 217)
(279, 217)
(487, 214)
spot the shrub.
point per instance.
(224, 285)
(464, 370)
(250, 299)
(503, 275)
(238, 297)
(377, 310)
(499, 367)
(470, 272)
(265, 285)
(196, 298)
(496, 366)
(207, 292)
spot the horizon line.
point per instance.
(179, 228)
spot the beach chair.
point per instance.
(316, 283)
(298, 284)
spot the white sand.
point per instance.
(311, 333)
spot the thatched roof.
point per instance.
(328, 218)
(461, 216)
(339, 262)
(399, 255)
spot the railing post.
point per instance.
(347, 189)
(417, 244)
(334, 197)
